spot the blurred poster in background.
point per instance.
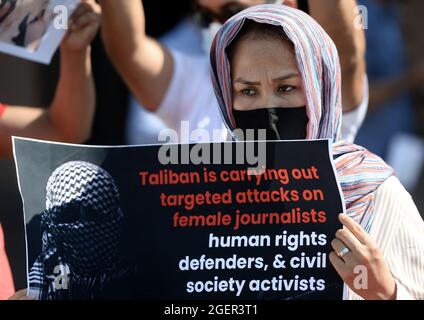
(33, 29)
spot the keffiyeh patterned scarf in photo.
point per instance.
(360, 172)
(81, 230)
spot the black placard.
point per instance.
(196, 231)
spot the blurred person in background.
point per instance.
(176, 86)
(391, 119)
(412, 22)
(182, 33)
(7, 287)
(70, 115)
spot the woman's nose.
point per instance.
(271, 100)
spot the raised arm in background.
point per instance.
(145, 65)
(70, 115)
(338, 18)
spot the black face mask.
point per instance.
(279, 123)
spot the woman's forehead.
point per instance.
(270, 58)
(263, 48)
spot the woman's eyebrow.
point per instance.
(247, 82)
(287, 76)
(257, 83)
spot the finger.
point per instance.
(84, 20)
(87, 6)
(89, 28)
(27, 298)
(355, 229)
(338, 246)
(80, 10)
(349, 239)
(337, 263)
(87, 33)
(88, 1)
(19, 295)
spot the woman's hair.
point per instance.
(257, 30)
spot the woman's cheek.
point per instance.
(295, 99)
(244, 102)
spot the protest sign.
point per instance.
(131, 222)
(33, 29)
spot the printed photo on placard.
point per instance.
(33, 29)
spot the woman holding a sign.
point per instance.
(275, 68)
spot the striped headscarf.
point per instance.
(360, 172)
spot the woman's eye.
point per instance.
(248, 92)
(285, 89)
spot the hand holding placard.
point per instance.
(376, 282)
